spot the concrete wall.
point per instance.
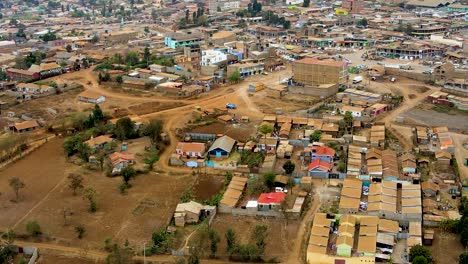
(408, 74)
(315, 91)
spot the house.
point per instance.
(24, 126)
(22, 75)
(270, 201)
(355, 111)
(323, 153)
(192, 213)
(430, 189)
(91, 97)
(319, 169)
(121, 160)
(191, 149)
(408, 163)
(46, 69)
(33, 88)
(222, 147)
(443, 157)
(98, 142)
(268, 144)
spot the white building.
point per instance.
(355, 111)
(210, 57)
(224, 5)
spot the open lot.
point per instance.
(280, 234)
(446, 247)
(148, 205)
(424, 114)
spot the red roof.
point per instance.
(271, 198)
(322, 62)
(322, 165)
(324, 151)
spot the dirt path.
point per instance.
(461, 153)
(296, 255)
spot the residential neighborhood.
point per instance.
(214, 131)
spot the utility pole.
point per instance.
(144, 253)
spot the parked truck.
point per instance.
(357, 79)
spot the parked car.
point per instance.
(231, 106)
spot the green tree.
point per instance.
(230, 239)
(75, 182)
(306, 3)
(127, 174)
(147, 55)
(362, 22)
(314, 137)
(16, 184)
(289, 167)
(119, 255)
(234, 77)
(125, 128)
(214, 240)
(463, 259)
(80, 231)
(348, 118)
(49, 36)
(419, 260)
(153, 130)
(419, 250)
(132, 58)
(69, 48)
(259, 235)
(265, 129)
(119, 79)
(90, 195)
(98, 115)
(161, 241)
(33, 228)
(269, 179)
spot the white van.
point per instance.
(357, 79)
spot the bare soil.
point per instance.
(446, 247)
(207, 186)
(240, 132)
(280, 234)
(149, 204)
(424, 114)
(151, 107)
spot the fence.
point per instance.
(246, 212)
(31, 251)
(201, 136)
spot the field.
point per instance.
(446, 248)
(148, 205)
(279, 237)
(432, 115)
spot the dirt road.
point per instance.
(461, 153)
(297, 254)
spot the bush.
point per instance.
(80, 230)
(33, 228)
(419, 250)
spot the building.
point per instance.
(190, 149)
(212, 56)
(222, 147)
(224, 5)
(318, 77)
(246, 69)
(174, 40)
(192, 213)
(33, 88)
(121, 160)
(221, 37)
(409, 51)
(319, 169)
(270, 201)
(91, 97)
(46, 70)
(24, 126)
(123, 36)
(352, 6)
(323, 153)
(22, 75)
(98, 142)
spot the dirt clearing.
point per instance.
(446, 247)
(151, 107)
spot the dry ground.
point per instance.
(446, 248)
(424, 114)
(118, 216)
(279, 238)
